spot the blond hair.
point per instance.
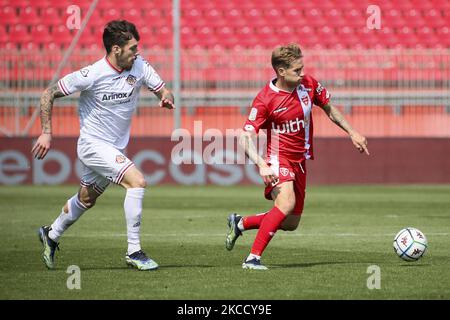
(283, 56)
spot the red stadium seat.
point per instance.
(52, 14)
(414, 18)
(40, 34)
(238, 24)
(61, 35)
(229, 42)
(96, 20)
(294, 15)
(212, 13)
(443, 34)
(146, 35)
(433, 18)
(134, 15)
(355, 18)
(266, 31)
(333, 14)
(274, 14)
(192, 13)
(224, 32)
(8, 16)
(315, 18)
(347, 37)
(207, 40)
(441, 4)
(253, 13)
(29, 16)
(39, 4)
(112, 14)
(4, 37)
(88, 40)
(218, 22)
(20, 4)
(163, 36)
(19, 34)
(233, 14)
(422, 4)
(194, 23)
(388, 38)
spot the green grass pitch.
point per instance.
(344, 230)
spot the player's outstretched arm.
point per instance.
(166, 98)
(43, 143)
(358, 140)
(246, 142)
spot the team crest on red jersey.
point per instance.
(284, 171)
(120, 158)
(305, 100)
(131, 80)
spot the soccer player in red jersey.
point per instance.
(283, 108)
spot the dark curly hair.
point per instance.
(118, 32)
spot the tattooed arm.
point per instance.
(358, 140)
(42, 145)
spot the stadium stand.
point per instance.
(226, 45)
(406, 20)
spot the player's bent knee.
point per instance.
(134, 179)
(88, 202)
(87, 199)
(138, 183)
(142, 183)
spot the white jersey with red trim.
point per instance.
(109, 97)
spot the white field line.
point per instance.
(199, 235)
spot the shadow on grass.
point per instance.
(415, 265)
(161, 267)
(305, 265)
(188, 266)
(103, 268)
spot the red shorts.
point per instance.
(289, 171)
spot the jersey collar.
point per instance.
(110, 64)
(275, 88)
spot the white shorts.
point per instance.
(102, 164)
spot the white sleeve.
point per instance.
(77, 81)
(151, 78)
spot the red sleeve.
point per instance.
(257, 117)
(321, 96)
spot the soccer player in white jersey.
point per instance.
(109, 94)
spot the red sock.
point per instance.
(267, 229)
(253, 222)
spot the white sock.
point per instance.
(240, 225)
(133, 212)
(65, 220)
(252, 256)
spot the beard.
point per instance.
(124, 63)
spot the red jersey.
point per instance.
(287, 118)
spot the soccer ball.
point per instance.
(410, 244)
